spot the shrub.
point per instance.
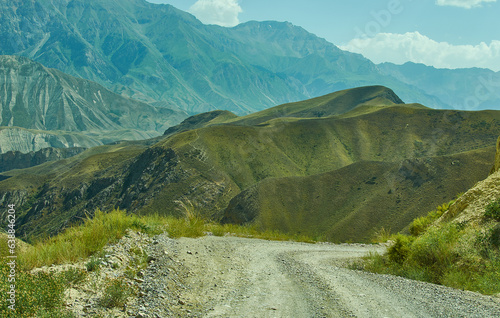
(492, 210)
(495, 236)
(382, 235)
(434, 250)
(72, 276)
(400, 250)
(420, 225)
(140, 260)
(93, 264)
(37, 295)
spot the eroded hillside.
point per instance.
(45, 107)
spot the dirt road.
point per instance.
(237, 277)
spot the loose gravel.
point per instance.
(241, 277)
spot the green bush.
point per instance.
(420, 225)
(400, 250)
(495, 236)
(492, 210)
(93, 264)
(115, 294)
(434, 251)
(140, 260)
(73, 276)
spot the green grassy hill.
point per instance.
(497, 158)
(355, 202)
(201, 120)
(207, 167)
(336, 103)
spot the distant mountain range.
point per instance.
(166, 57)
(356, 159)
(466, 89)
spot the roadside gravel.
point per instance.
(240, 277)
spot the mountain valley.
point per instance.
(152, 165)
(370, 156)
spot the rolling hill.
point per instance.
(355, 202)
(496, 167)
(376, 144)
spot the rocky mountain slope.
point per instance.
(27, 140)
(18, 160)
(406, 149)
(162, 55)
(46, 99)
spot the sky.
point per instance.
(439, 33)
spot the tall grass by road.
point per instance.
(41, 294)
(459, 255)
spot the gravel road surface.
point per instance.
(239, 277)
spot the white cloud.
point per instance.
(467, 4)
(220, 12)
(415, 47)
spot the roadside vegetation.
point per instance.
(41, 294)
(460, 255)
(454, 254)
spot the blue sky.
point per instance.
(441, 33)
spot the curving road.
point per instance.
(237, 277)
